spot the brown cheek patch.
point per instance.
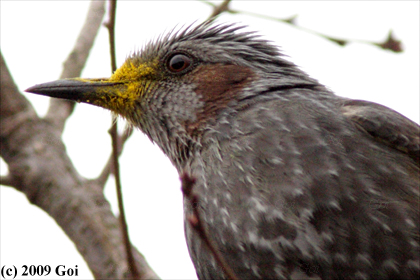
(217, 85)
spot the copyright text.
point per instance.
(11, 271)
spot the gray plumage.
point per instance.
(293, 181)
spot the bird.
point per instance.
(292, 180)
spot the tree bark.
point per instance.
(40, 168)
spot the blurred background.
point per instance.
(37, 36)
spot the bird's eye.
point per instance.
(178, 63)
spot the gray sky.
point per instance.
(36, 38)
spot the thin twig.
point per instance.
(195, 221)
(60, 109)
(115, 151)
(219, 9)
(108, 168)
(110, 25)
(391, 43)
(6, 181)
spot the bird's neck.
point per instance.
(178, 146)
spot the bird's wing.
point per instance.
(292, 189)
(385, 125)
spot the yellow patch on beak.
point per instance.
(133, 81)
(129, 72)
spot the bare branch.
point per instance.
(110, 25)
(61, 109)
(196, 223)
(40, 168)
(123, 222)
(217, 10)
(108, 168)
(134, 273)
(14, 108)
(6, 181)
(389, 44)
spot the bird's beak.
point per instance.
(98, 92)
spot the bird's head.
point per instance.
(176, 87)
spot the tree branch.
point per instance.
(40, 168)
(108, 168)
(61, 109)
(6, 181)
(195, 221)
(390, 43)
(115, 150)
(219, 9)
